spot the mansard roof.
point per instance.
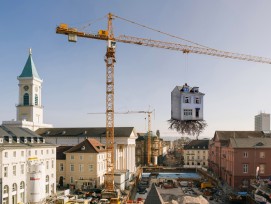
(87, 146)
(197, 144)
(84, 132)
(20, 137)
(30, 70)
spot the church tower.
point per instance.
(30, 107)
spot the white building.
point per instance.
(195, 154)
(28, 166)
(262, 122)
(124, 142)
(29, 108)
(186, 103)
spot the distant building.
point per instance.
(262, 122)
(28, 166)
(195, 154)
(186, 103)
(235, 155)
(157, 150)
(29, 108)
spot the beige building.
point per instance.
(83, 165)
(195, 154)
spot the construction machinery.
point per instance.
(108, 35)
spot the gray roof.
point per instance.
(20, 137)
(250, 142)
(84, 132)
(226, 135)
(153, 196)
(88, 146)
(197, 144)
(191, 89)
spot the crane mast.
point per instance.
(108, 35)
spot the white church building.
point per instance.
(29, 108)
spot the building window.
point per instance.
(47, 151)
(47, 179)
(90, 167)
(47, 164)
(197, 100)
(53, 151)
(14, 170)
(6, 154)
(36, 152)
(22, 185)
(245, 154)
(6, 190)
(41, 152)
(187, 157)
(262, 168)
(245, 168)
(14, 187)
(186, 99)
(90, 157)
(14, 154)
(197, 112)
(5, 171)
(52, 163)
(81, 157)
(36, 99)
(187, 112)
(72, 167)
(22, 168)
(61, 167)
(26, 99)
(72, 157)
(262, 154)
(22, 153)
(71, 179)
(29, 153)
(81, 167)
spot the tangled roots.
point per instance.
(189, 127)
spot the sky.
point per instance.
(74, 73)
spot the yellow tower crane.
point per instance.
(108, 35)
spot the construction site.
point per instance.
(191, 122)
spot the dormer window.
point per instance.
(197, 100)
(64, 132)
(38, 140)
(83, 148)
(186, 99)
(1, 140)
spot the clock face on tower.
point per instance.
(26, 88)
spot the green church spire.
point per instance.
(30, 68)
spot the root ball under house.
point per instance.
(189, 127)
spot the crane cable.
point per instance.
(174, 36)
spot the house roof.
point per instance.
(250, 142)
(84, 132)
(20, 137)
(87, 146)
(60, 152)
(190, 89)
(197, 144)
(153, 196)
(226, 135)
(29, 68)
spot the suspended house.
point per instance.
(186, 103)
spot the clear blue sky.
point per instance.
(74, 73)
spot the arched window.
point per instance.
(14, 187)
(47, 178)
(22, 185)
(26, 99)
(36, 99)
(6, 189)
